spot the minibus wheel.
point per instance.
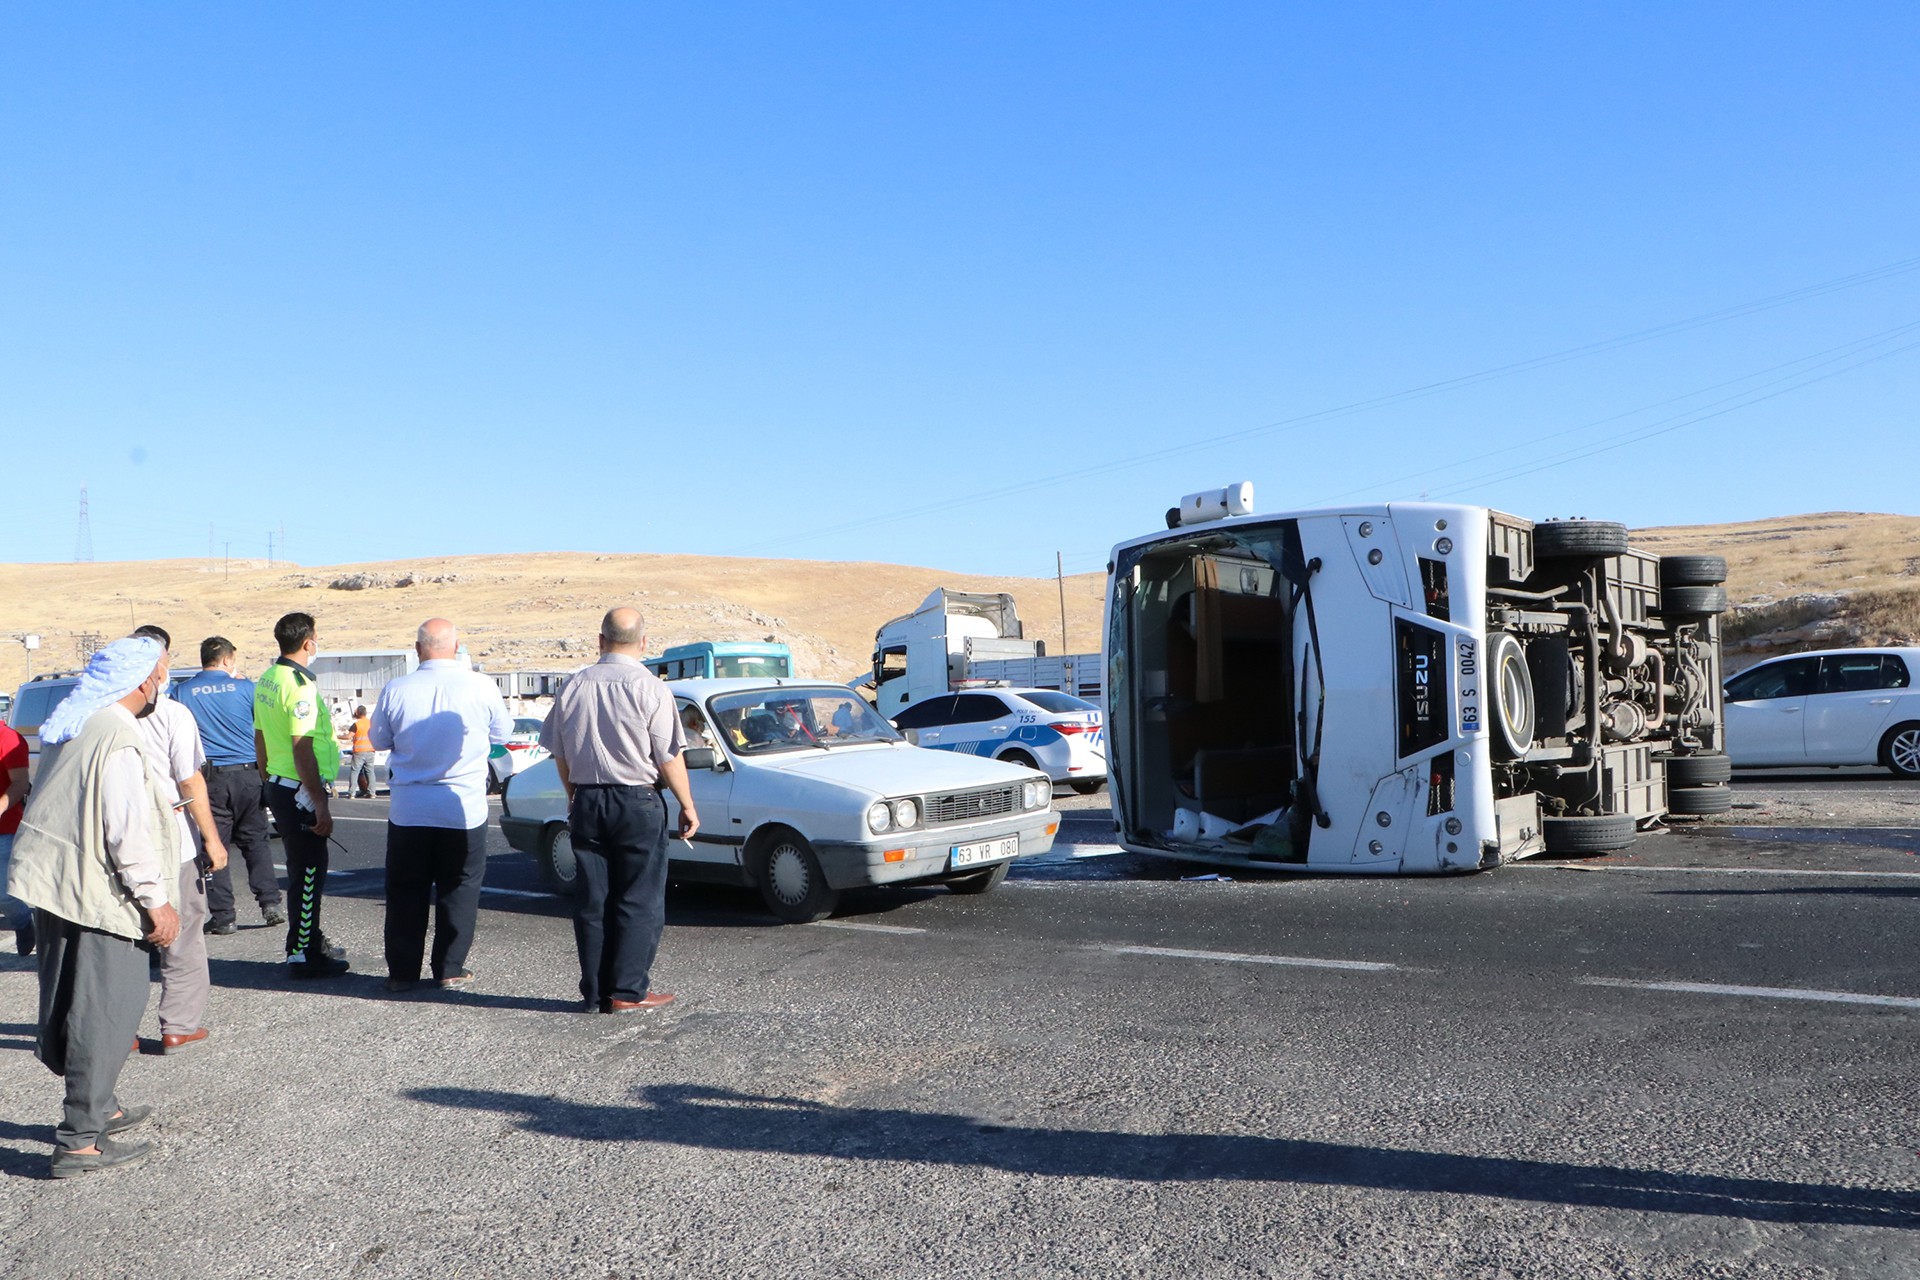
(1698, 771)
(1578, 539)
(557, 863)
(1699, 802)
(1692, 571)
(1512, 686)
(1579, 835)
(1684, 602)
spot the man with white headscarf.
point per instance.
(97, 857)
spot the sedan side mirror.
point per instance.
(699, 757)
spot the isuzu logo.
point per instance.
(1423, 686)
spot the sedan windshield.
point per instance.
(769, 720)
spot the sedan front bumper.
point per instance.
(922, 855)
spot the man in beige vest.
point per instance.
(97, 857)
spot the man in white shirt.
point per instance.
(170, 738)
(438, 725)
(96, 857)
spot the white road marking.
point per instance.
(1725, 871)
(865, 928)
(1094, 850)
(1764, 993)
(1238, 957)
(518, 893)
(347, 817)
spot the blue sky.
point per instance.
(770, 279)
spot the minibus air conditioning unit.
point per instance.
(1211, 505)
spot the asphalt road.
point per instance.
(1692, 1059)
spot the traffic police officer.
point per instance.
(294, 743)
(221, 703)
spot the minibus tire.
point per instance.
(986, 882)
(1578, 539)
(1688, 602)
(1692, 571)
(1580, 835)
(1698, 771)
(1513, 725)
(1699, 802)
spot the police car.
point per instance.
(1056, 733)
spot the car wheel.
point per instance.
(790, 880)
(1698, 771)
(1088, 786)
(1578, 539)
(557, 862)
(1900, 750)
(1677, 602)
(985, 882)
(1021, 758)
(1587, 835)
(1692, 571)
(1698, 802)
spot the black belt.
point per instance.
(229, 768)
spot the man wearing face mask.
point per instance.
(98, 858)
(299, 758)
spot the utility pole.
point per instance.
(269, 548)
(226, 554)
(83, 542)
(1060, 576)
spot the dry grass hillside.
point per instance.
(1797, 581)
(515, 612)
(1815, 581)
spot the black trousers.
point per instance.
(422, 862)
(306, 871)
(240, 816)
(620, 843)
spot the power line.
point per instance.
(1670, 425)
(1737, 311)
(1812, 361)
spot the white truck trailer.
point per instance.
(1405, 688)
(958, 638)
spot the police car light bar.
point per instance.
(1212, 504)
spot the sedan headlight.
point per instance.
(880, 817)
(1034, 794)
(905, 814)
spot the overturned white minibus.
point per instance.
(1405, 688)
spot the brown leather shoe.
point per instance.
(175, 1042)
(646, 1004)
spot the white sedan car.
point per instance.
(1044, 729)
(1837, 707)
(803, 792)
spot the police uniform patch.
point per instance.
(303, 709)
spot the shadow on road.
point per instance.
(720, 1119)
(266, 975)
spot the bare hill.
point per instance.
(1814, 581)
(514, 612)
(1797, 581)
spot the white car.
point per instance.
(1044, 729)
(1837, 707)
(803, 792)
(521, 751)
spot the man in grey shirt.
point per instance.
(616, 741)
